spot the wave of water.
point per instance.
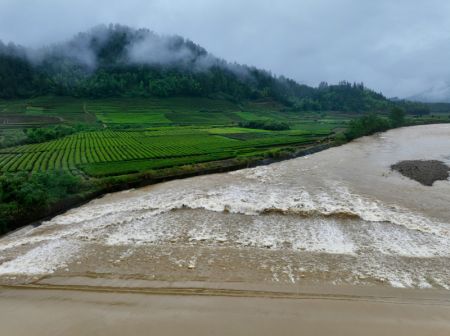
(318, 205)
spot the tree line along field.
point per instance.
(128, 135)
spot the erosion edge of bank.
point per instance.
(99, 188)
(138, 180)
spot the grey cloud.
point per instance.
(398, 47)
(156, 49)
(153, 50)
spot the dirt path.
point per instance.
(91, 115)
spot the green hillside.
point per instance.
(121, 62)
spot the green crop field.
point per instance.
(133, 135)
(106, 152)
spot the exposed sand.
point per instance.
(424, 172)
(68, 312)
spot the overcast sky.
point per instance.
(399, 47)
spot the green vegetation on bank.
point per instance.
(23, 194)
(372, 123)
(397, 117)
(367, 125)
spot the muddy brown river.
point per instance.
(338, 217)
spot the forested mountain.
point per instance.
(117, 61)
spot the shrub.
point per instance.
(340, 138)
(366, 125)
(397, 117)
(22, 194)
(43, 134)
(266, 125)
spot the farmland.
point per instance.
(133, 135)
(91, 151)
(123, 136)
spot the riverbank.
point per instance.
(317, 311)
(99, 188)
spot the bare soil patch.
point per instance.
(424, 172)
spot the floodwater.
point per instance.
(340, 216)
(74, 313)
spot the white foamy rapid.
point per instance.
(340, 215)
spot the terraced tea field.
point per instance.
(101, 153)
(134, 135)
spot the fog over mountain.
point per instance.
(398, 47)
(116, 44)
(440, 92)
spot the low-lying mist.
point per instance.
(123, 46)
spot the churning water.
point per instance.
(339, 216)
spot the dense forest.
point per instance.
(118, 61)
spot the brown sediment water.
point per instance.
(338, 217)
(73, 313)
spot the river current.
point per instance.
(340, 216)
